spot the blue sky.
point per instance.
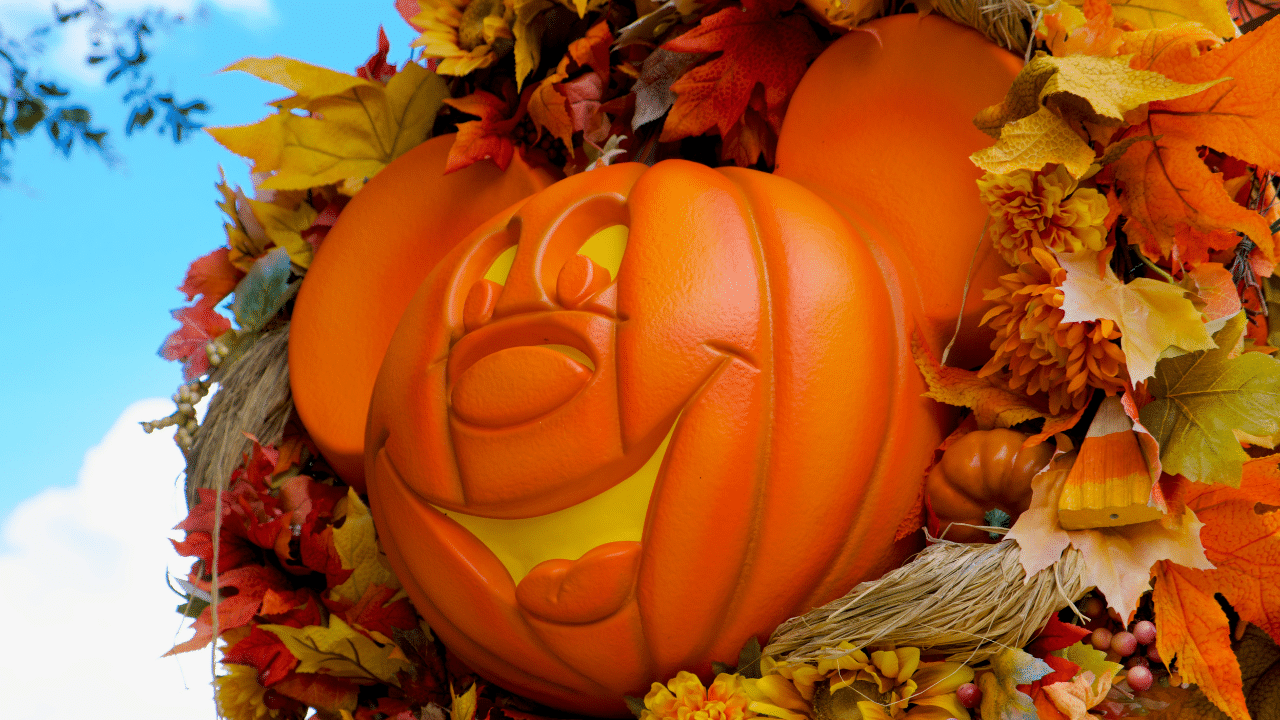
(95, 253)
(93, 256)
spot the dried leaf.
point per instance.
(1032, 142)
(357, 544)
(653, 89)
(1175, 204)
(354, 127)
(488, 138)
(1001, 699)
(993, 404)
(340, 650)
(1152, 315)
(753, 46)
(1151, 14)
(1202, 397)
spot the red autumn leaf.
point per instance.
(249, 584)
(375, 611)
(323, 692)
(1175, 203)
(376, 67)
(265, 653)
(295, 608)
(753, 46)
(212, 277)
(1056, 635)
(319, 554)
(200, 324)
(592, 49)
(488, 138)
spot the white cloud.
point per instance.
(41, 9)
(82, 593)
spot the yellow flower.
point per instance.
(1043, 353)
(1042, 210)
(685, 698)
(891, 685)
(463, 33)
(240, 696)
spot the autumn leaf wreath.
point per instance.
(1102, 525)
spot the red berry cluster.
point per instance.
(1135, 646)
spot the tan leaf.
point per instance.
(1152, 315)
(1032, 142)
(357, 544)
(342, 651)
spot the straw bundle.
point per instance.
(1004, 22)
(965, 601)
(253, 397)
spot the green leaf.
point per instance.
(1001, 699)
(264, 290)
(1091, 659)
(1202, 398)
(749, 659)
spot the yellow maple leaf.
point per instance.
(528, 35)
(1117, 560)
(1035, 121)
(1152, 315)
(1151, 14)
(346, 135)
(256, 225)
(357, 544)
(464, 705)
(342, 651)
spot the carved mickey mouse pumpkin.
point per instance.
(651, 412)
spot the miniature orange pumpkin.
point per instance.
(984, 470)
(591, 478)
(385, 242)
(881, 126)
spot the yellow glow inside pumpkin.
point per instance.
(500, 268)
(615, 514)
(606, 247)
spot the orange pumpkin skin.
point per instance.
(385, 242)
(983, 470)
(751, 325)
(881, 126)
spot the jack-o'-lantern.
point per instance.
(643, 417)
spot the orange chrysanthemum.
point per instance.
(685, 698)
(1044, 354)
(1042, 210)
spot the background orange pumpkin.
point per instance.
(384, 243)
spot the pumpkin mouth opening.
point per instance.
(521, 544)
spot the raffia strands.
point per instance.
(965, 601)
(253, 397)
(1004, 22)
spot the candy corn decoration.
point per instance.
(1110, 482)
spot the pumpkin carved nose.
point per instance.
(515, 385)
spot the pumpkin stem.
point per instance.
(995, 517)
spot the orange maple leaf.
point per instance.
(488, 138)
(1176, 205)
(1242, 539)
(753, 46)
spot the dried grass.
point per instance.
(253, 397)
(965, 601)
(1004, 22)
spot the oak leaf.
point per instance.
(1201, 398)
(1176, 205)
(753, 46)
(342, 651)
(1152, 315)
(352, 129)
(251, 583)
(1117, 560)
